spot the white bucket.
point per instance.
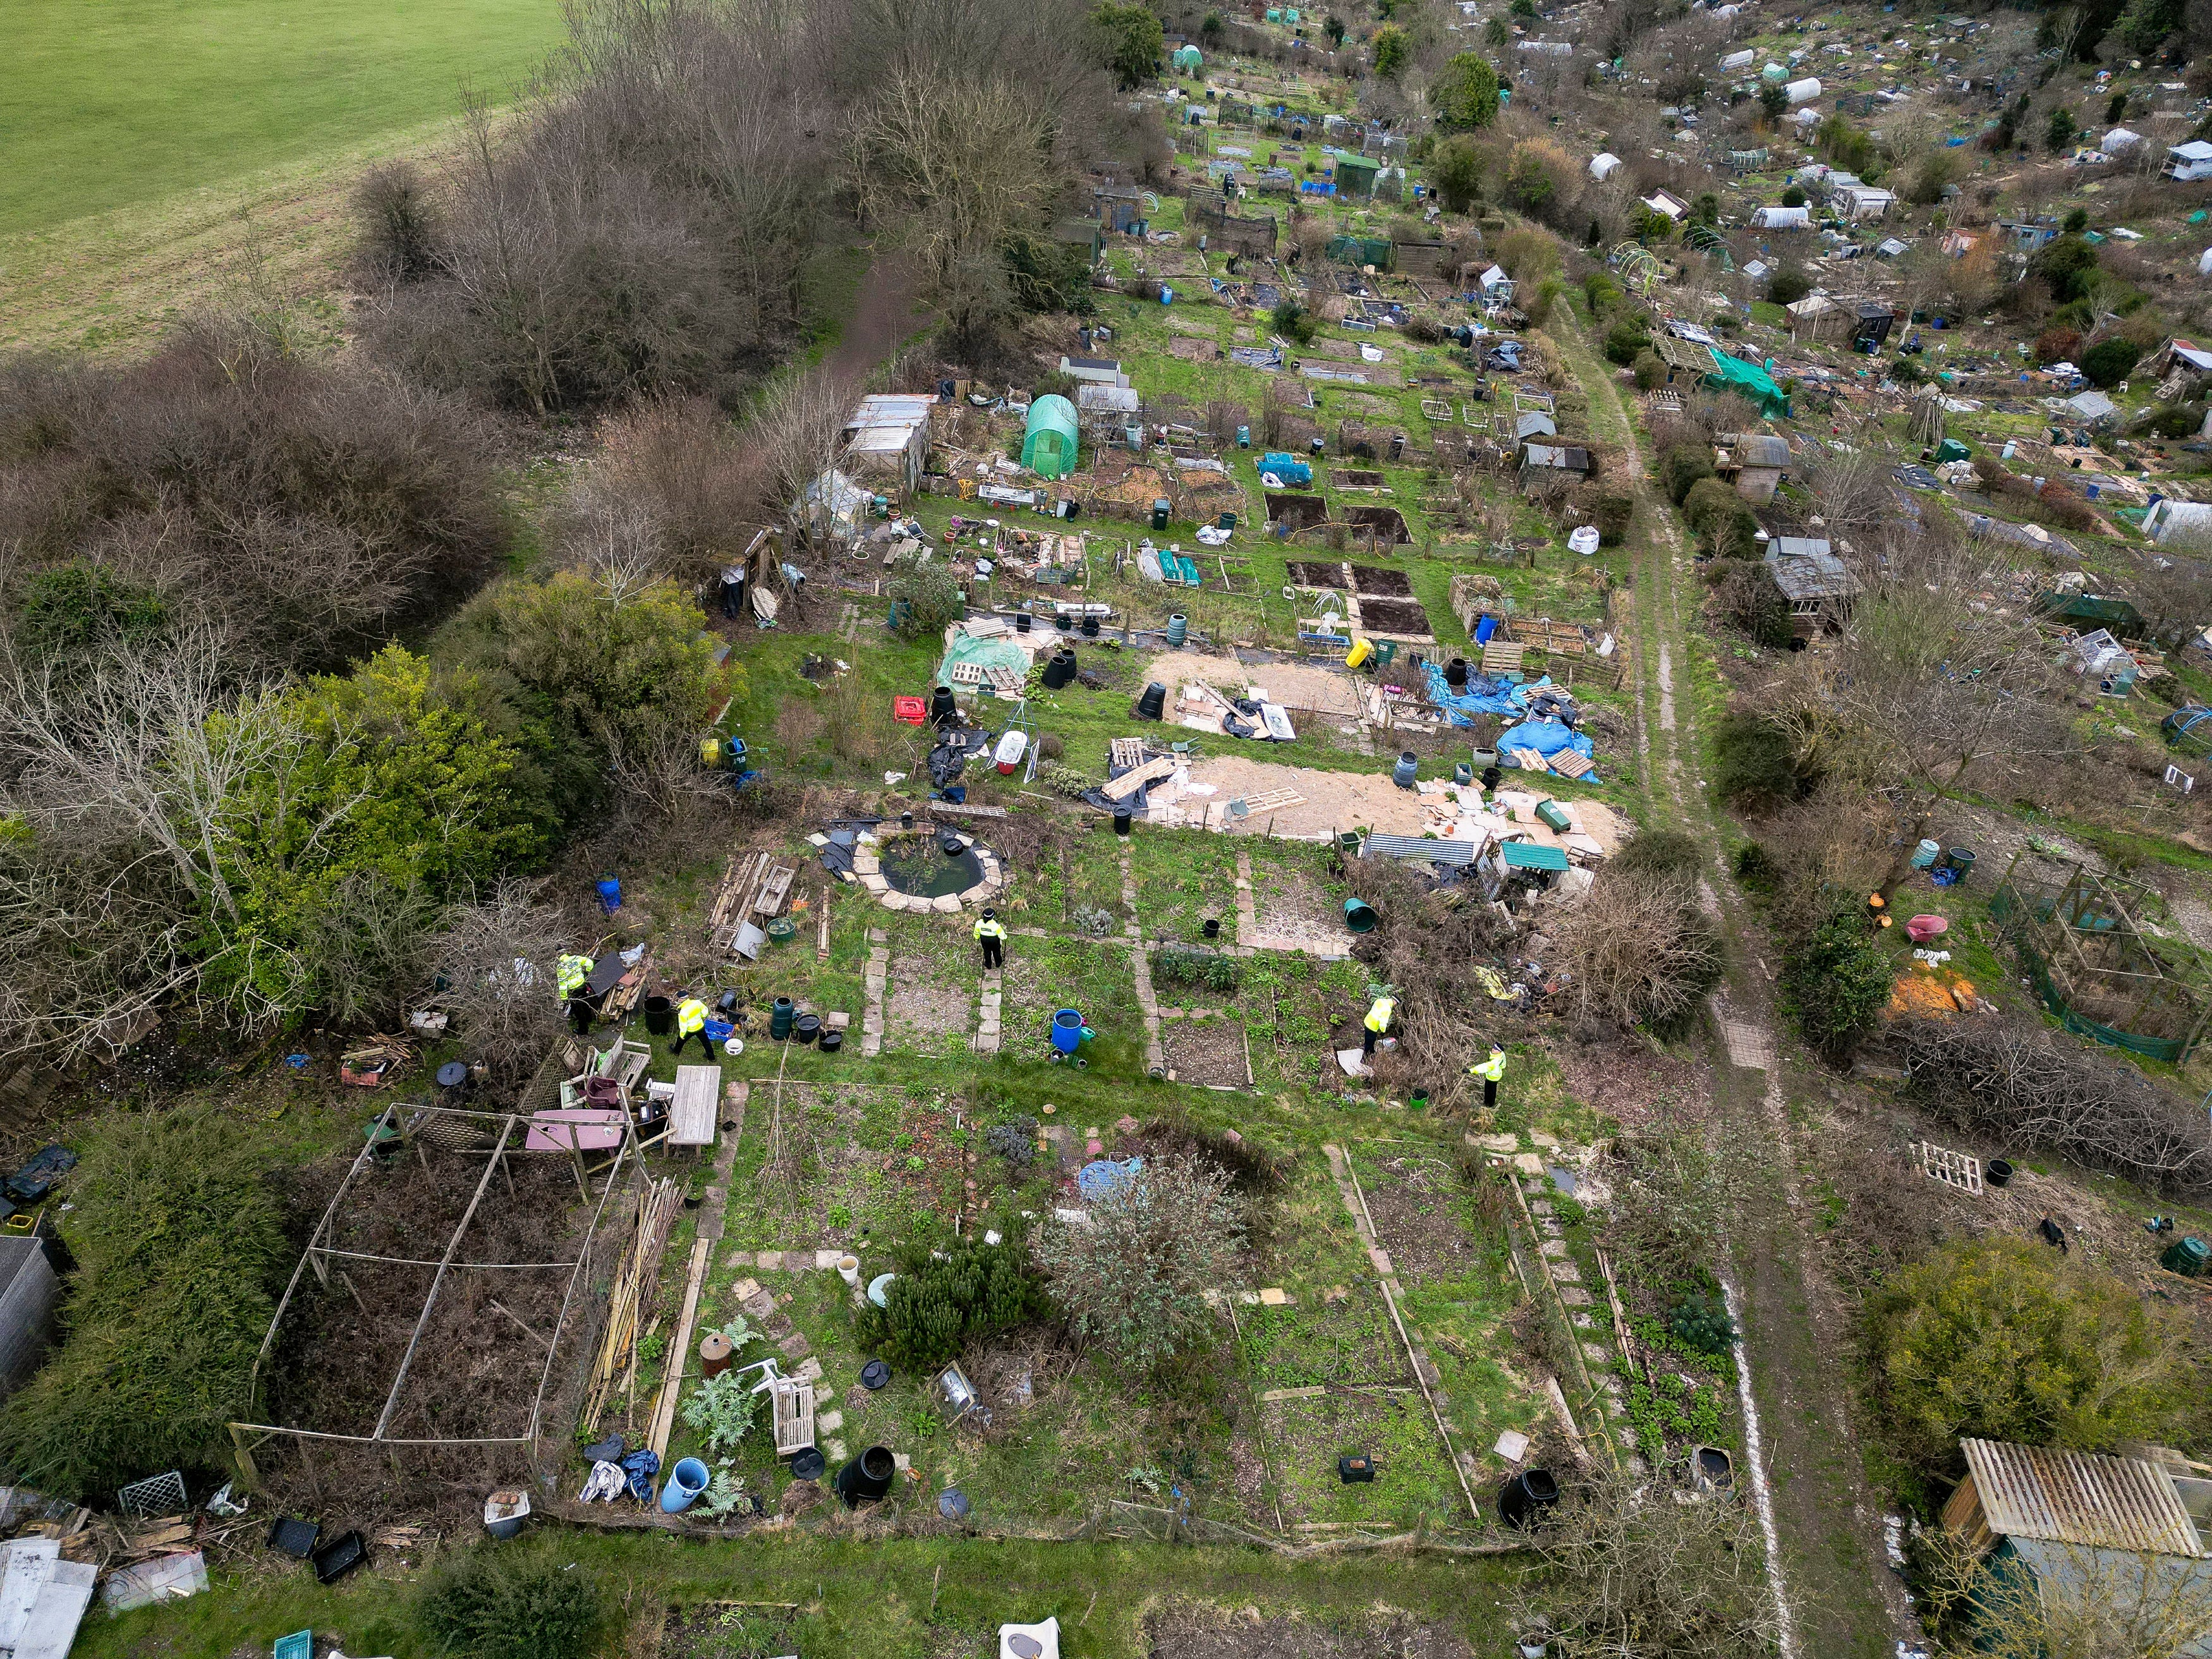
(848, 1269)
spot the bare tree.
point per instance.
(1930, 686)
(1629, 1572)
(797, 430)
(2063, 1601)
(950, 166)
(497, 956)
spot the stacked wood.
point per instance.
(629, 1303)
(755, 885)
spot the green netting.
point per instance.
(1734, 374)
(984, 653)
(2006, 907)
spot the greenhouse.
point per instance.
(1048, 442)
(1187, 60)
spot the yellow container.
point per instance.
(1360, 651)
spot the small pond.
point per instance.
(919, 865)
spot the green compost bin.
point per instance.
(2185, 1256)
(1554, 815)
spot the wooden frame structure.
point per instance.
(456, 1131)
(2079, 943)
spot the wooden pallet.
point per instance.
(1502, 657)
(1952, 1168)
(1571, 764)
(998, 678)
(774, 890)
(1529, 761)
(1126, 751)
(1268, 801)
(1129, 782)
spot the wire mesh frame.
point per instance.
(625, 1153)
(157, 1494)
(2059, 924)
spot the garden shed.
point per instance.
(1048, 441)
(1754, 462)
(1355, 176)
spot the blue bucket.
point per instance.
(1066, 1030)
(685, 1482)
(609, 891)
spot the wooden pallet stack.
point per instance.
(755, 889)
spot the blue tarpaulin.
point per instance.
(1482, 695)
(1547, 738)
(1103, 1177)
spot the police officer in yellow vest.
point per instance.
(570, 974)
(1490, 1071)
(1377, 1022)
(690, 1022)
(990, 935)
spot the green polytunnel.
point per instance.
(1188, 60)
(1048, 441)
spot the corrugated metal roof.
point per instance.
(2080, 1497)
(1415, 847)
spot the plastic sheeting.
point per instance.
(1481, 695)
(1546, 736)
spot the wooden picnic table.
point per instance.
(691, 1114)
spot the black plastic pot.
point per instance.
(1021, 621)
(1997, 1172)
(1123, 817)
(874, 1375)
(1456, 673)
(808, 1465)
(867, 1477)
(832, 1042)
(1210, 928)
(1526, 1495)
(659, 1016)
(807, 1027)
(1153, 704)
(941, 705)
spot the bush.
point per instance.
(1613, 515)
(1464, 93)
(1683, 465)
(1753, 766)
(1600, 289)
(1639, 949)
(2108, 362)
(2005, 1339)
(401, 239)
(1292, 320)
(181, 1248)
(1136, 1277)
(1624, 341)
(947, 1295)
(1456, 169)
(928, 597)
(2058, 343)
(1837, 982)
(1789, 285)
(1723, 517)
(1701, 1322)
(1793, 196)
(2177, 421)
(1666, 853)
(489, 1603)
(1651, 373)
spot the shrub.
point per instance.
(1683, 465)
(1600, 289)
(487, 1603)
(1135, 1279)
(1456, 169)
(1723, 517)
(2108, 362)
(1624, 341)
(2004, 1338)
(401, 239)
(949, 1295)
(1464, 93)
(1293, 321)
(1793, 196)
(2058, 343)
(1665, 852)
(1701, 1322)
(1837, 982)
(1640, 950)
(2177, 421)
(928, 597)
(1753, 766)
(1651, 373)
(1789, 285)
(180, 1247)
(1613, 515)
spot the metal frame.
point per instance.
(319, 1254)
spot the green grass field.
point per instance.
(125, 101)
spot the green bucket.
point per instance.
(1359, 916)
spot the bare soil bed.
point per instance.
(1197, 1631)
(1210, 1052)
(1417, 1215)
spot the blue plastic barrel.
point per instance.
(1066, 1030)
(685, 1482)
(1483, 628)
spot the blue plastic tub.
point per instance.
(1066, 1030)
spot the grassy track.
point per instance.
(111, 103)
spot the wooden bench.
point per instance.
(691, 1114)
